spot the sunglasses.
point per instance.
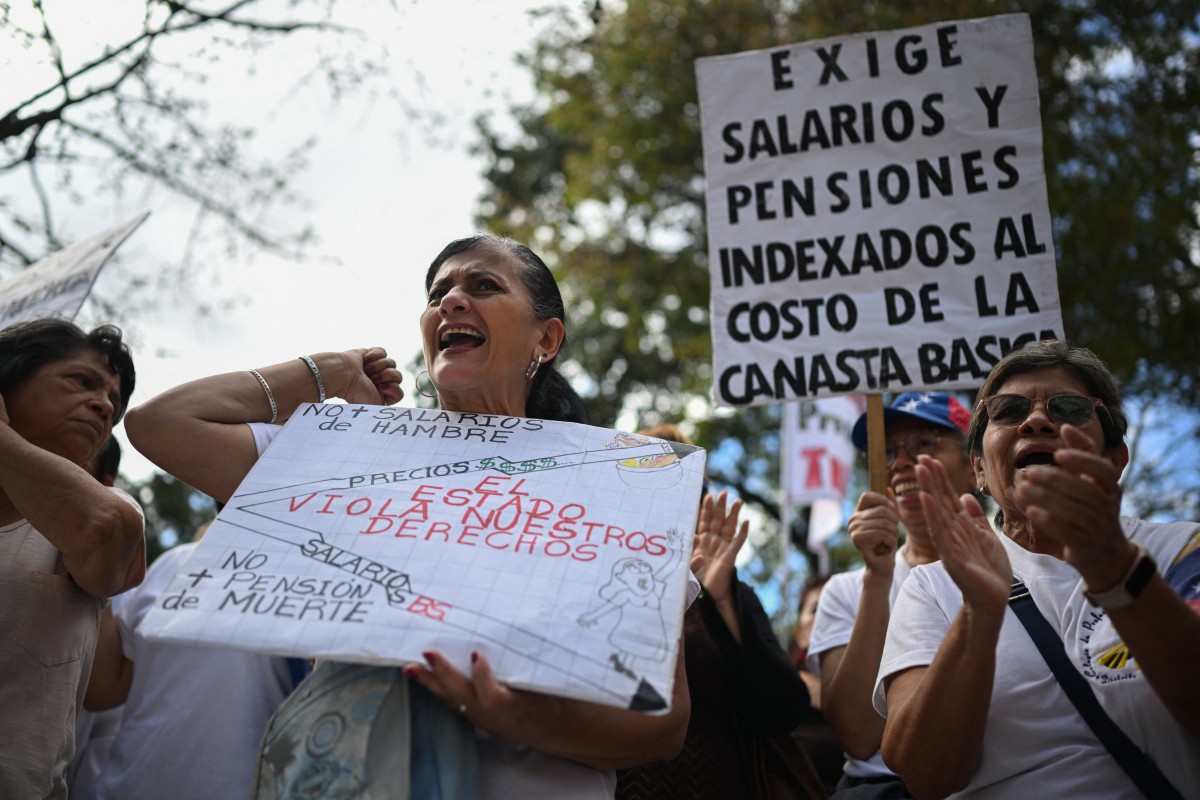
(917, 443)
(1010, 410)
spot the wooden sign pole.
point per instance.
(876, 453)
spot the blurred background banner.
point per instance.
(59, 283)
(817, 461)
(818, 455)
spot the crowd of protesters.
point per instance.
(1047, 651)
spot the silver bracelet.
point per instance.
(270, 394)
(316, 374)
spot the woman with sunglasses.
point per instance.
(852, 617)
(973, 710)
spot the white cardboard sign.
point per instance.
(59, 283)
(371, 534)
(877, 212)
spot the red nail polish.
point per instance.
(428, 656)
(474, 657)
(412, 673)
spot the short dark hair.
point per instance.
(1085, 365)
(26, 347)
(551, 396)
(108, 462)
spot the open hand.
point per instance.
(1078, 504)
(718, 540)
(970, 550)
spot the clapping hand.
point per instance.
(1077, 504)
(971, 552)
(718, 540)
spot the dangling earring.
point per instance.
(417, 385)
(534, 364)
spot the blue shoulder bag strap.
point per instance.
(298, 670)
(1137, 765)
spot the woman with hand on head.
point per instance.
(492, 329)
(66, 541)
(745, 697)
(973, 710)
(852, 618)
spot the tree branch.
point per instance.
(52, 43)
(44, 201)
(6, 244)
(177, 184)
(11, 125)
(227, 17)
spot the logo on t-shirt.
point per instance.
(1106, 658)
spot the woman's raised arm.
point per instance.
(196, 431)
(1080, 501)
(947, 702)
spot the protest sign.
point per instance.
(817, 453)
(371, 534)
(876, 210)
(59, 283)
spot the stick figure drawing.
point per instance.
(635, 591)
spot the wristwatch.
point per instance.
(1126, 591)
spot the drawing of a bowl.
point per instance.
(651, 472)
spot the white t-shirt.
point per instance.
(194, 716)
(1035, 743)
(836, 612)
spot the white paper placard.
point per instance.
(371, 534)
(877, 212)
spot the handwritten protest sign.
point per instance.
(877, 211)
(817, 453)
(59, 283)
(371, 534)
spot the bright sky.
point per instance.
(383, 193)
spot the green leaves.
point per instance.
(606, 180)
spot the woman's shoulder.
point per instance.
(848, 581)
(931, 580)
(1166, 541)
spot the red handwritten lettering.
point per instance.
(294, 506)
(428, 607)
(406, 525)
(424, 489)
(442, 528)
(555, 552)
